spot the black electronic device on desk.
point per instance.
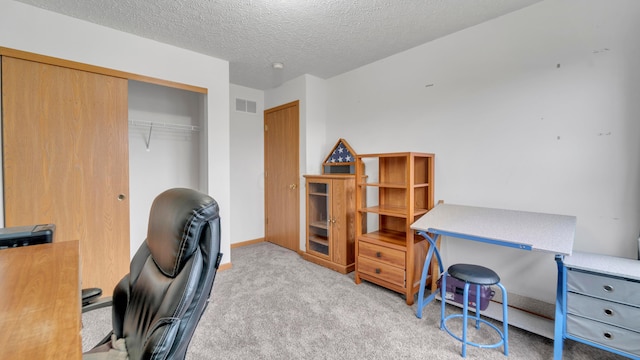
(17, 236)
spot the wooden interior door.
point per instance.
(282, 175)
(65, 161)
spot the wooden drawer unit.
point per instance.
(381, 270)
(602, 302)
(382, 254)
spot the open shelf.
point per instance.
(394, 189)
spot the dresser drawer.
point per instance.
(604, 334)
(381, 254)
(381, 270)
(605, 311)
(604, 287)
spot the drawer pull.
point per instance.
(378, 271)
(608, 312)
(378, 254)
(608, 288)
(607, 335)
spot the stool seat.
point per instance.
(474, 274)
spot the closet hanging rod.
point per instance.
(163, 125)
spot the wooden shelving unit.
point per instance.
(331, 221)
(394, 191)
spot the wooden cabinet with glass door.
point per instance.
(330, 223)
(394, 191)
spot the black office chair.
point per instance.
(157, 306)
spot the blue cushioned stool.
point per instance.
(474, 275)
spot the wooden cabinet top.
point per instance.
(331, 176)
(398, 154)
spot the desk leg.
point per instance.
(558, 335)
(433, 249)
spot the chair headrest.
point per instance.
(177, 219)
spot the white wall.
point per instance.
(247, 171)
(316, 121)
(536, 110)
(27, 28)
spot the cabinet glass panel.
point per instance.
(319, 218)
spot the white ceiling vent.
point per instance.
(247, 106)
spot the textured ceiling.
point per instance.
(323, 38)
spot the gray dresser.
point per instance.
(603, 302)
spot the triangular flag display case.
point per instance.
(341, 159)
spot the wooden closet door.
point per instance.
(65, 159)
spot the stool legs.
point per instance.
(443, 297)
(505, 321)
(465, 316)
(504, 334)
(477, 306)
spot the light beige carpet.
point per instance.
(274, 305)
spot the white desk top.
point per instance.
(605, 264)
(543, 232)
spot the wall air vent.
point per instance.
(248, 106)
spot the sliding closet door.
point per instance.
(65, 159)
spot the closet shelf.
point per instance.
(169, 126)
(162, 125)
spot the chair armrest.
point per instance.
(98, 304)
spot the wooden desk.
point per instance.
(516, 229)
(40, 312)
